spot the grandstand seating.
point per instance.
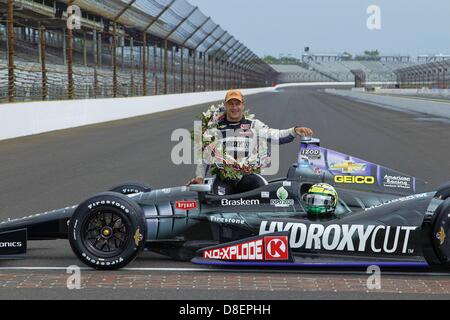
(375, 70)
(295, 73)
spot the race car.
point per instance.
(382, 217)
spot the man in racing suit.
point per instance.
(240, 140)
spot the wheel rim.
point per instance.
(106, 233)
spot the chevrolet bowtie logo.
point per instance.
(349, 167)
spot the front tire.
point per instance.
(107, 232)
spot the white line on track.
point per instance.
(90, 269)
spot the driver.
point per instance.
(236, 122)
(321, 200)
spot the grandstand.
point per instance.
(339, 67)
(122, 48)
(295, 73)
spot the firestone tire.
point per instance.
(131, 188)
(440, 235)
(107, 231)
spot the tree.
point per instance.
(270, 60)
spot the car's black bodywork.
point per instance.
(383, 218)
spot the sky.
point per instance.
(269, 27)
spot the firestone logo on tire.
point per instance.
(270, 248)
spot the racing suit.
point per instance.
(241, 138)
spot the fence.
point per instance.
(428, 75)
(118, 49)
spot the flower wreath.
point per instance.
(225, 167)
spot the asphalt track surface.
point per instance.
(57, 169)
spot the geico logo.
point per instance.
(10, 244)
(354, 179)
(360, 238)
(252, 250)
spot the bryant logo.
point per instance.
(186, 205)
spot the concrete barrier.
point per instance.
(431, 93)
(314, 84)
(28, 118)
(429, 107)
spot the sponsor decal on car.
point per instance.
(441, 236)
(282, 201)
(221, 191)
(276, 248)
(408, 198)
(265, 194)
(13, 242)
(312, 154)
(270, 248)
(130, 191)
(186, 205)
(353, 238)
(240, 202)
(355, 179)
(348, 167)
(226, 220)
(17, 244)
(401, 182)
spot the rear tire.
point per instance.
(107, 231)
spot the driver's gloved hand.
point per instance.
(198, 180)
